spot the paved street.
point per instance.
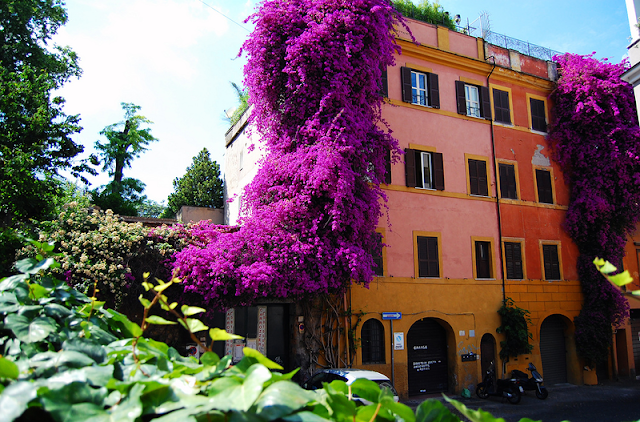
(609, 402)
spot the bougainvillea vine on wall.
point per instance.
(314, 69)
(596, 140)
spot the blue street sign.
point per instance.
(391, 315)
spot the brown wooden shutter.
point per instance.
(482, 178)
(438, 170)
(384, 84)
(518, 274)
(405, 74)
(513, 260)
(485, 102)
(428, 262)
(410, 167)
(387, 168)
(545, 190)
(507, 181)
(551, 263)
(434, 90)
(461, 98)
(538, 119)
(501, 106)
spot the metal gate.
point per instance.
(553, 350)
(427, 354)
(635, 339)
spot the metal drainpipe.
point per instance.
(493, 151)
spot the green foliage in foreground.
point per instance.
(67, 358)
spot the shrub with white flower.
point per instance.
(98, 246)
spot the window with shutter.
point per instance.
(538, 115)
(420, 88)
(513, 260)
(483, 259)
(508, 188)
(551, 262)
(473, 100)
(372, 337)
(478, 177)
(424, 169)
(545, 188)
(502, 113)
(428, 259)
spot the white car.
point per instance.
(349, 375)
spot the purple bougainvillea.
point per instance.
(313, 71)
(596, 141)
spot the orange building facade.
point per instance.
(475, 208)
(474, 216)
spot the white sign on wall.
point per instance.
(398, 341)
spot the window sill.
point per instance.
(479, 196)
(485, 279)
(538, 132)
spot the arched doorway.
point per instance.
(487, 353)
(428, 368)
(553, 349)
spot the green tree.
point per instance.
(35, 133)
(126, 140)
(201, 186)
(151, 208)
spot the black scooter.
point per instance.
(508, 388)
(533, 383)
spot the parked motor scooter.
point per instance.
(533, 383)
(507, 388)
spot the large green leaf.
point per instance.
(231, 394)
(366, 389)
(209, 359)
(260, 358)
(281, 399)
(29, 331)
(191, 310)
(60, 402)
(9, 303)
(32, 266)
(10, 283)
(15, 398)
(435, 411)
(55, 310)
(218, 334)
(88, 346)
(305, 417)
(69, 359)
(158, 320)
(8, 369)
(402, 411)
(123, 324)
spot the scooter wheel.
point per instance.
(542, 393)
(481, 391)
(514, 397)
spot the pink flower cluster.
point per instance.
(596, 140)
(313, 73)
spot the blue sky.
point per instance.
(176, 58)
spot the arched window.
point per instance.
(372, 342)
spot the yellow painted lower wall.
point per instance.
(467, 310)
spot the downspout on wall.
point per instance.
(495, 166)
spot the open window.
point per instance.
(473, 100)
(421, 88)
(424, 169)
